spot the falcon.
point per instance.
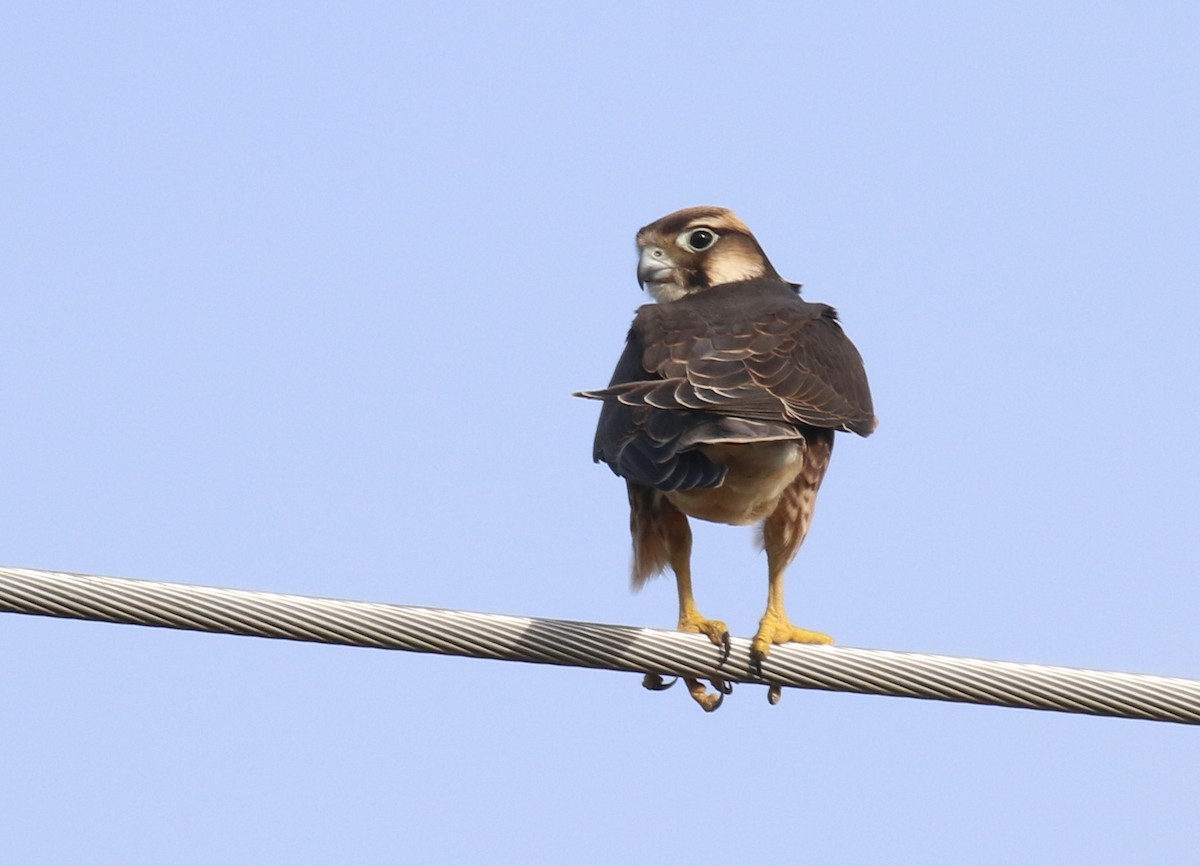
(723, 407)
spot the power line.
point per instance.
(592, 645)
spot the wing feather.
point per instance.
(757, 350)
(743, 362)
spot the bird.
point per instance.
(723, 408)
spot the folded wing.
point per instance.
(739, 363)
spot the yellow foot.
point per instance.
(715, 630)
(707, 700)
(775, 628)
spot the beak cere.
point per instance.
(655, 266)
(657, 274)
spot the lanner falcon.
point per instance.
(723, 407)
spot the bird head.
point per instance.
(695, 249)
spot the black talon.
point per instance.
(725, 687)
(756, 664)
(726, 647)
(655, 682)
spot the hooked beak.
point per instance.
(655, 269)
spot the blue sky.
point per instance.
(294, 298)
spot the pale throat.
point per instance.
(664, 293)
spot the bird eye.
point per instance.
(698, 239)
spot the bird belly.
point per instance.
(757, 475)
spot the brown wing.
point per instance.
(751, 350)
(645, 445)
(739, 363)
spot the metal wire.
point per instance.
(591, 645)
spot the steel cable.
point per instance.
(592, 645)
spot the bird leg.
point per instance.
(690, 618)
(674, 545)
(783, 533)
(679, 543)
(775, 627)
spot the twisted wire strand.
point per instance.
(593, 645)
